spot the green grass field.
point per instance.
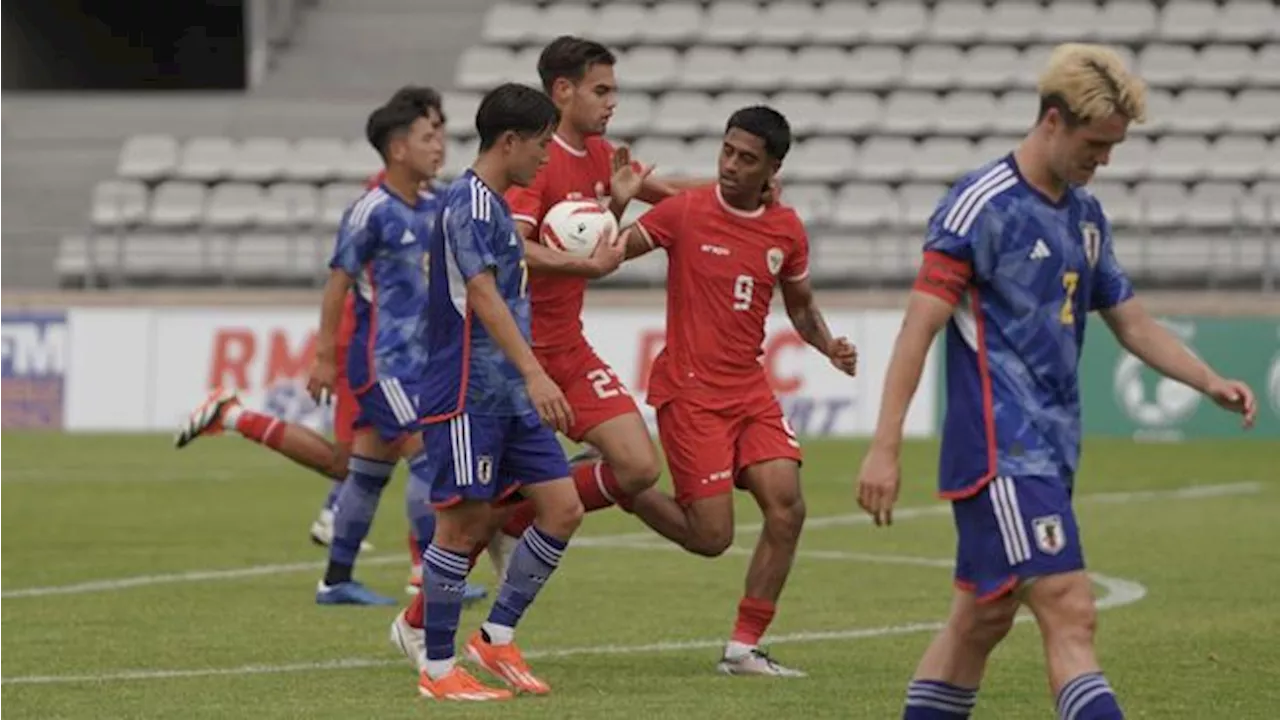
(1187, 537)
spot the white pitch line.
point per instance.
(908, 513)
(1119, 592)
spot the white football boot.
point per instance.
(756, 662)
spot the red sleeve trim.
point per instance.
(943, 277)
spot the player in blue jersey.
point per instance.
(381, 252)
(1017, 254)
(490, 411)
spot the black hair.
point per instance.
(426, 98)
(390, 120)
(767, 124)
(516, 108)
(571, 57)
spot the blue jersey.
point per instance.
(382, 245)
(1034, 268)
(475, 234)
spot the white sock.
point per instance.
(736, 650)
(437, 669)
(499, 634)
(231, 415)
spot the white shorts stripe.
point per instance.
(461, 471)
(1017, 548)
(397, 400)
(1019, 526)
(465, 420)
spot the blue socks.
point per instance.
(532, 563)
(353, 514)
(1088, 697)
(937, 700)
(444, 579)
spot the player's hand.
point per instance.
(607, 256)
(323, 378)
(878, 484)
(772, 192)
(550, 403)
(627, 178)
(844, 356)
(1235, 396)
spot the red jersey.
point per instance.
(568, 174)
(723, 266)
(347, 325)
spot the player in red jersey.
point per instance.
(578, 75)
(720, 424)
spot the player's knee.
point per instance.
(711, 542)
(1067, 609)
(785, 520)
(561, 519)
(986, 624)
(636, 470)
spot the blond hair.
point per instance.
(1092, 82)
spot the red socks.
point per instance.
(754, 616)
(262, 429)
(597, 487)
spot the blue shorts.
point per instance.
(489, 457)
(1013, 530)
(390, 407)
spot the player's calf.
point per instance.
(710, 525)
(1065, 611)
(948, 676)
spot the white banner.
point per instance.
(145, 369)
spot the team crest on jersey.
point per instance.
(774, 258)
(1050, 537)
(484, 469)
(1092, 237)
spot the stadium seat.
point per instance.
(634, 114)
(683, 113)
(1163, 204)
(1167, 66)
(787, 22)
(1117, 202)
(260, 159)
(1236, 157)
(958, 22)
(1245, 21)
(1125, 21)
(841, 23)
(673, 23)
(290, 205)
(649, 68)
(1014, 21)
(458, 155)
(1161, 107)
(360, 161)
(1266, 66)
(1204, 112)
(563, 19)
(874, 67)
(900, 21)
(852, 113)
(728, 103)
(885, 159)
(148, 157)
(763, 68)
(804, 111)
(266, 257)
(1255, 111)
(864, 205)
(1016, 112)
(943, 159)
(460, 113)
(731, 23)
(315, 159)
(334, 200)
(1181, 157)
(1215, 205)
(709, 68)
(911, 112)
(993, 67)
(233, 205)
(1223, 66)
(1188, 21)
(811, 202)
(620, 23)
(933, 67)
(206, 159)
(822, 159)
(481, 68)
(917, 201)
(1130, 161)
(670, 154)
(818, 68)
(177, 203)
(166, 256)
(511, 23)
(118, 203)
(966, 113)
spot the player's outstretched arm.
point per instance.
(486, 302)
(1153, 344)
(634, 242)
(808, 321)
(603, 260)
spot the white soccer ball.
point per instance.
(576, 226)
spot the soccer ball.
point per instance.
(575, 226)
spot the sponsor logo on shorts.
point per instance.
(1050, 537)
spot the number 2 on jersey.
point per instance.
(1067, 314)
(744, 288)
(601, 379)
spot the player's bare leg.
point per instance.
(559, 513)
(775, 485)
(1067, 615)
(949, 674)
(222, 411)
(458, 529)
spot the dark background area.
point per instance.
(124, 45)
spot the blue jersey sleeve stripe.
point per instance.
(364, 208)
(981, 202)
(969, 197)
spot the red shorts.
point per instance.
(708, 446)
(345, 407)
(593, 389)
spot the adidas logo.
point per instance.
(407, 238)
(1040, 251)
